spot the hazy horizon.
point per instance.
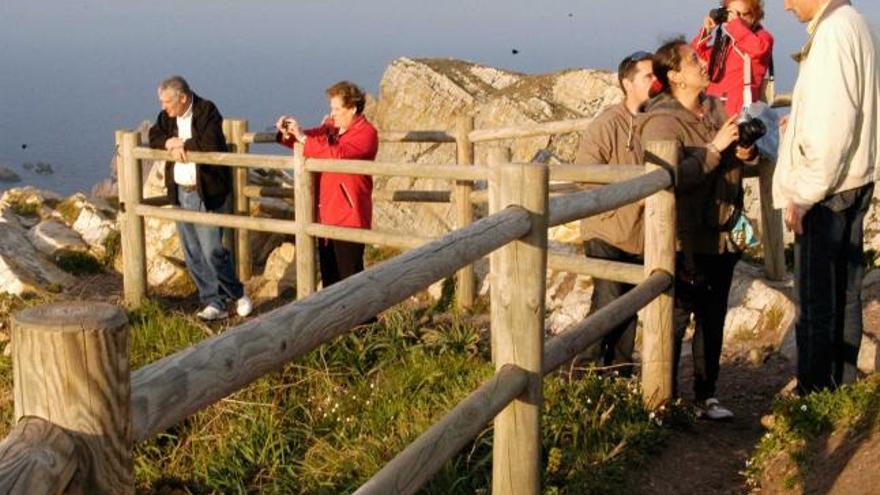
(75, 71)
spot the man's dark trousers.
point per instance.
(616, 348)
(829, 267)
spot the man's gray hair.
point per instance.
(177, 84)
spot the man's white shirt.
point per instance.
(185, 172)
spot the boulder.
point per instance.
(761, 313)
(23, 269)
(430, 93)
(93, 219)
(278, 276)
(52, 237)
(8, 175)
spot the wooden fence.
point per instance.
(76, 427)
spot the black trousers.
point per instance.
(829, 267)
(616, 348)
(705, 297)
(339, 260)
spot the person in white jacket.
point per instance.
(824, 182)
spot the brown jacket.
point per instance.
(708, 185)
(612, 139)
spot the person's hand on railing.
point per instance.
(175, 146)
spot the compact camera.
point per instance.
(719, 15)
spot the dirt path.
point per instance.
(709, 457)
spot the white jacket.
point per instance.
(831, 142)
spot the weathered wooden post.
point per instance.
(771, 225)
(71, 369)
(243, 256)
(304, 208)
(519, 273)
(464, 208)
(134, 259)
(657, 340)
(498, 156)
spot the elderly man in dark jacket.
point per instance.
(190, 123)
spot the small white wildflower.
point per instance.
(804, 408)
(651, 415)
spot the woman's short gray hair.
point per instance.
(177, 84)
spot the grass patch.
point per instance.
(327, 423)
(799, 421)
(112, 246)
(69, 209)
(78, 263)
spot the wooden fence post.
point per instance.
(771, 226)
(498, 156)
(242, 206)
(304, 208)
(134, 259)
(464, 208)
(519, 284)
(657, 338)
(71, 369)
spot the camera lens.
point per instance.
(750, 131)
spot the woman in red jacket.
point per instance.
(746, 36)
(344, 200)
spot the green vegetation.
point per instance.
(78, 263)
(325, 424)
(798, 421)
(112, 245)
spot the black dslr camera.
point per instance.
(719, 15)
(750, 130)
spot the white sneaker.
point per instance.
(715, 411)
(211, 313)
(244, 306)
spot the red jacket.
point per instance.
(757, 44)
(344, 200)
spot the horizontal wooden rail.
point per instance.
(384, 136)
(450, 172)
(274, 162)
(542, 129)
(37, 458)
(364, 236)
(221, 220)
(781, 100)
(593, 267)
(595, 174)
(254, 192)
(413, 467)
(564, 209)
(565, 346)
(176, 386)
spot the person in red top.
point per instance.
(344, 200)
(746, 36)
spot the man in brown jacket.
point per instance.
(617, 235)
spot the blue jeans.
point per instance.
(208, 262)
(828, 268)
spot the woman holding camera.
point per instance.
(709, 201)
(344, 200)
(741, 34)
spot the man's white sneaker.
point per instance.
(211, 313)
(244, 306)
(715, 411)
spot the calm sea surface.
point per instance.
(71, 72)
